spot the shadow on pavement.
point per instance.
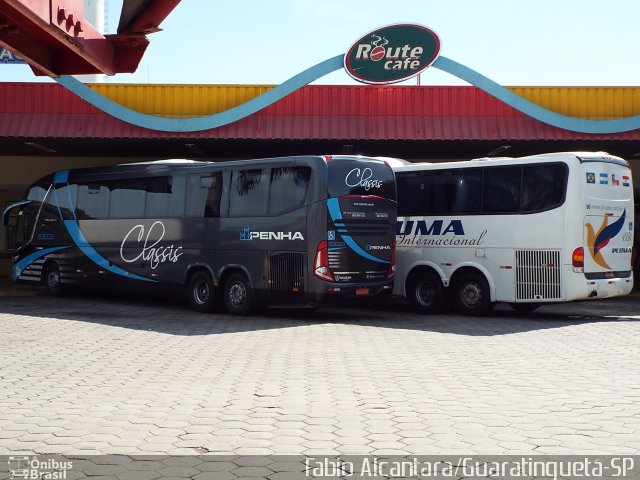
(173, 317)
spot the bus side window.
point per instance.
(93, 201)
(158, 198)
(213, 185)
(203, 195)
(288, 189)
(127, 198)
(543, 186)
(412, 193)
(501, 190)
(249, 193)
(178, 195)
(454, 191)
(61, 201)
(37, 193)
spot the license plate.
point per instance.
(362, 291)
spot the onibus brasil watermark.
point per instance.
(38, 467)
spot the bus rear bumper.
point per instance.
(601, 288)
(336, 293)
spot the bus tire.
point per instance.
(471, 294)
(524, 307)
(201, 292)
(52, 280)
(425, 292)
(238, 296)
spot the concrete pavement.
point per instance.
(96, 375)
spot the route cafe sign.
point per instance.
(391, 54)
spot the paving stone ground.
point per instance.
(96, 375)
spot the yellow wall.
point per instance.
(197, 100)
(180, 100)
(592, 102)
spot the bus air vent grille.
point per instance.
(286, 277)
(538, 275)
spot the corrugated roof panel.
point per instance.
(381, 127)
(314, 112)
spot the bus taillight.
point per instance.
(321, 266)
(577, 258)
(392, 267)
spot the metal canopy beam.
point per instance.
(55, 39)
(144, 16)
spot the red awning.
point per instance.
(43, 110)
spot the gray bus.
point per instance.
(301, 230)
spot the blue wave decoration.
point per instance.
(531, 109)
(209, 121)
(333, 64)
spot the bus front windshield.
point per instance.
(20, 222)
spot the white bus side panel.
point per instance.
(487, 243)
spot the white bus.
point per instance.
(526, 231)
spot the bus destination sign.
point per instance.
(391, 54)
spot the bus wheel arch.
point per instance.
(52, 278)
(424, 289)
(202, 294)
(471, 291)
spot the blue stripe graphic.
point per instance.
(256, 104)
(333, 205)
(78, 237)
(86, 248)
(29, 259)
(61, 177)
(358, 249)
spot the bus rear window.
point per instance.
(357, 177)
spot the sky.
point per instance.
(517, 42)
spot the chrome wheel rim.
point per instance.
(237, 294)
(53, 279)
(471, 294)
(201, 292)
(425, 293)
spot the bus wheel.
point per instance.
(524, 307)
(201, 292)
(471, 294)
(425, 292)
(238, 297)
(52, 280)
